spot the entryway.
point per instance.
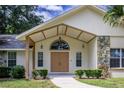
(59, 61)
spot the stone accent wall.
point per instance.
(103, 50)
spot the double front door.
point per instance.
(59, 61)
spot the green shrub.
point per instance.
(98, 73)
(5, 72)
(39, 72)
(35, 74)
(42, 73)
(88, 73)
(79, 73)
(93, 73)
(17, 72)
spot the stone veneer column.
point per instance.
(103, 50)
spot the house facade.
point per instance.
(78, 39)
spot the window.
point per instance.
(78, 59)
(122, 60)
(11, 59)
(59, 45)
(40, 59)
(117, 58)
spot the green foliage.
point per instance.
(17, 72)
(4, 72)
(79, 73)
(88, 73)
(98, 73)
(114, 15)
(42, 73)
(15, 19)
(35, 74)
(93, 73)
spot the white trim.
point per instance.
(120, 57)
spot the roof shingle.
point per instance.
(10, 42)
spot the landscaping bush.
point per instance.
(88, 73)
(79, 73)
(5, 72)
(42, 73)
(98, 73)
(17, 72)
(35, 74)
(93, 73)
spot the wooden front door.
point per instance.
(59, 61)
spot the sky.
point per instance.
(51, 11)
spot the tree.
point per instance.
(115, 15)
(16, 19)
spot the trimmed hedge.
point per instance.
(97, 73)
(42, 73)
(5, 72)
(17, 72)
(35, 74)
(79, 73)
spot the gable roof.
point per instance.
(10, 42)
(56, 19)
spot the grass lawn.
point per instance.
(108, 83)
(22, 83)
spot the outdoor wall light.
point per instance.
(83, 45)
(41, 46)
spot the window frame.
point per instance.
(120, 58)
(11, 58)
(41, 59)
(78, 59)
(57, 49)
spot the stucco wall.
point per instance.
(92, 21)
(75, 46)
(117, 73)
(20, 57)
(117, 42)
(92, 54)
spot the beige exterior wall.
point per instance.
(92, 54)
(117, 42)
(20, 58)
(75, 46)
(92, 21)
(117, 73)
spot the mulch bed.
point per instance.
(90, 78)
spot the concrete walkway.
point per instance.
(67, 81)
